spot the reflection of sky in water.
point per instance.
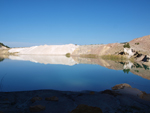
(25, 75)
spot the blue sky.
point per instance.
(38, 22)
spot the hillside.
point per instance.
(4, 49)
(2, 46)
(141, 45)
(99, 49)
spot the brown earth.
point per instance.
(3, 51)
(99, 49)
(142, 45)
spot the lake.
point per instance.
(32, 72)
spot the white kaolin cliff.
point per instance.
(45, 49)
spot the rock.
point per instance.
(53, 98)
(5, 102)
(120, 86)
(86, 109)
(145, 96)
(1, 112)
(140, 58)
(129, 51)
(37, 108)
(92, 93)
(110, 92)
(35, 98)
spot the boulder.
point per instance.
(35, 99)
(37, 108)
(140, 58)
(92, 93)
(120, 86)
(53, 98)
(110, 92)
(86, 109)
(145, 96)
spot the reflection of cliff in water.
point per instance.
(2, 57)
(45, 59)
(127, 66)
(105, 63)
(141, 70)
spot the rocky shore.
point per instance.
(121, 99)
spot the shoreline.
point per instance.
(122, 98)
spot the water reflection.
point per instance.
(127, 66)
(45, 59)
(73, 78)
(1, 59)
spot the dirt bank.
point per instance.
(99, 50)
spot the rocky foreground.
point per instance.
(121, 99)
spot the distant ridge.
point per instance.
(2, 45)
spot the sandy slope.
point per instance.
(46, 49)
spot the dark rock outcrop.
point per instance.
(37, 108)
(53, 98)
(86, 109)
(35, 99)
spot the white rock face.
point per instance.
(129, 51)
(46, 49)
(45, 59)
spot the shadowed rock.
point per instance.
(110, 92)
(92, 93)
(53, 98)
(86, 109)
(35, 99)
(145, 96)
(37, 108)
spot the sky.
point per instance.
(26, 23)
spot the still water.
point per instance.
(23, 73)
